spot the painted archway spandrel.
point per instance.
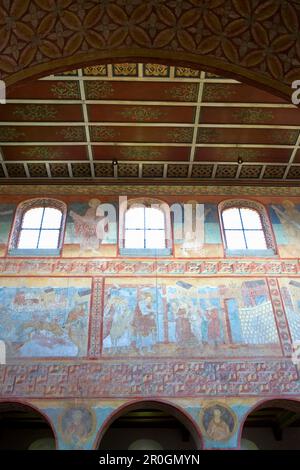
(251, 39)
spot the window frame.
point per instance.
(145, 252)
(270, 250)
(22, 209)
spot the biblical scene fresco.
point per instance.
(201, 237)
(285, 219)
(290, 292)
(6, 217)
(44, 317)
(194, 317)
(88, 232)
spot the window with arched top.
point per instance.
(243, 229)
(145, 229)
(38, 228)
(246, 229)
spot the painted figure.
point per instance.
(189, 318)
(76, 426)
(218, 429)
(184, 332)
(213, 326)
(118, 317)
(144, 323)
(87, 227)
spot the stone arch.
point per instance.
(23, 405)
(173, 409)
(288, 404)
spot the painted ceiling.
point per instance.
(136, 122)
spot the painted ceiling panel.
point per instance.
(143, 121)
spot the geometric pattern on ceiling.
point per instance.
(256, 39)
(147, 122)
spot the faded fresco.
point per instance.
(217, 422)
(6, 218)
(195, 317)
(285, 218)
(88, 233)
(200, 238)
(290, 292)
(77, 424)
(45, 317)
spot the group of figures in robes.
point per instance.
(138, 319)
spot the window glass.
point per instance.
(145, 228)
(33, 218)
(134, 218)
(49, 239)
(155, 239)
(52, 218)
(243, 229)
(154, 218)
(40, 228)
(235, 239)
(232, 219)
(28, 239)
(134, 239)
(255, 239)
(251, 219)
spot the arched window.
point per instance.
(243, 229)
(246, 228)
(145, 228)
(38, 228)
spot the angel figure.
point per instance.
(88, 227)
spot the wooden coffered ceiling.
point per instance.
(147, 122)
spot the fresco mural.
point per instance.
(89, 234)
(285, 218)
(290, 292)
(44, 317)
(217, 422)
(6, 218)
(77, 424)
(200, 239)
(198, 317)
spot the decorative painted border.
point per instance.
(280, 317)
(146, 378)
(144, 267)
(159, 189)
(94, 348)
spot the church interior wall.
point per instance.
(221, 327)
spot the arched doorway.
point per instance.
(272, 425)
(24, 428)
(149, 426)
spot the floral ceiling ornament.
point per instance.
(258, 39)
(99, 90)
(34, 112)
(65, 90)
(139, 113)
